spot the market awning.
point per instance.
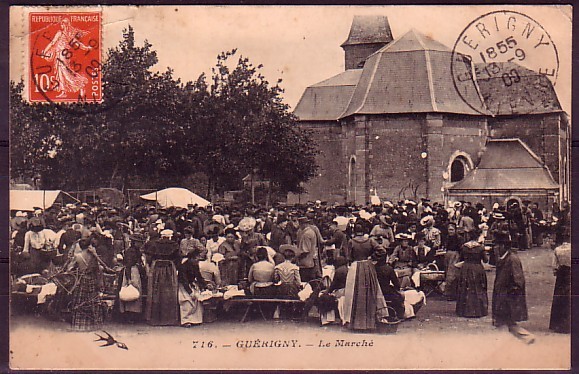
(177, 197)
(30, 199)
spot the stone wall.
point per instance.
(357, 53)
(396, 143)
(540, 132)
(329, 185)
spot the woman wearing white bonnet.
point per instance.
(162, 301)
(250, 240)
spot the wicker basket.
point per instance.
(384, 328)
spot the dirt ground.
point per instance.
(436, 339)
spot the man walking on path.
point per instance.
(509, 296)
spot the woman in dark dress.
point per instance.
(131, 275)
(364, 302)
(162, 302)
(191, 283)
(453, 244)
(472, 298)
(87, 313)
(561, 308)
(230, 249)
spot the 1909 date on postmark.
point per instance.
(65, 57)
(505, 62)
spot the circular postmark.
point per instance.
(505, 63)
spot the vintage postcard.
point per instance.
(290, 187)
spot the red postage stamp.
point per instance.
(65, 57)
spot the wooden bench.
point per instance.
(258, 302)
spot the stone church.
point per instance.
(393, 125)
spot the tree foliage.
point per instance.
(153, 131)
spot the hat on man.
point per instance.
(35, 221)
(303, 220)
(217, 257)
(498, 216)
(341, 222)
(247, 224)
(219, 219)
(230, 230)
(291, 247)
(281, 218)
(365, 215)
(388, 204)
(379, 254)
(403, 236)
(426, 220)
(167, 233)
(386, 220)
(213, 229)
(137, 238)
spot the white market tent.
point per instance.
(30, 199)
(177, 197)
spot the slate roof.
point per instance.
(507, 164)
(413, 74)
(369, 30)
(533, 94)
(328, 99)
(410, 75)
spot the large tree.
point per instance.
(254, 129)
(135, 132)
(151, 130)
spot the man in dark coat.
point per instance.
(338, 238)
(279, 233)
(509, 296)
(536, 228)
(68, 238)
(389, 284)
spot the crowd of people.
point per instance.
(167, 260)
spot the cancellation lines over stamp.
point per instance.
(65, 57)
(505, 62)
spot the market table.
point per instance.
(259, 302)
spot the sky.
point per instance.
(299, 44)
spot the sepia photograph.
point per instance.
(290, 187)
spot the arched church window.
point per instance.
(457, 170)
(352, 178)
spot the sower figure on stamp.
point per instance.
(69, 81)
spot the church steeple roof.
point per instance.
(414, 40)
(369, 30)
